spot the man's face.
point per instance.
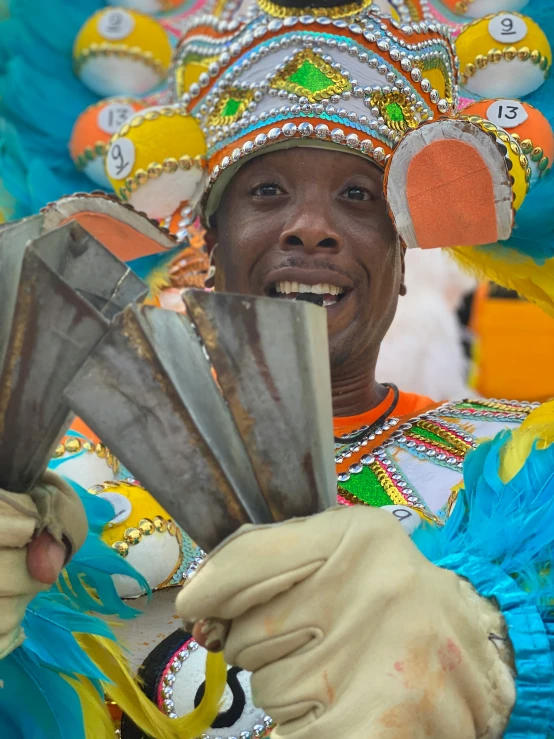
(307, 219)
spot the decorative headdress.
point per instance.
(350, 77)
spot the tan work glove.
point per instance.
(53, 507)
(350, 632)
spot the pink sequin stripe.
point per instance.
(455, 28)
(174, 657)
(464, 103)
(344, 501)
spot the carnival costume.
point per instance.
(347, 78)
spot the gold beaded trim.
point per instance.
(167, 111)
(462, 6)
(509, 54)
(90, 153)
(335, 12)
(534, 153)
(146, 527)
(119, 50)
(506, 139)
(73, 445)
(154, 170)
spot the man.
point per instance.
(347, 628)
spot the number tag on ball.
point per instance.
(507, 28)
(120, 159)
(115, 25)
(406, 516)
(113, 116)
(121, 505)
(507, 113)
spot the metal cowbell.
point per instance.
(59, 292)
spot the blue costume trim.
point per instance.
(534, 707)
(500, 538)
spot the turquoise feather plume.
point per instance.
(500, 537)
(35, 700)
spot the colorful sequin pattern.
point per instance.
(361, 81)
(367, 471)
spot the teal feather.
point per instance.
(500, 536)
(36, 702)
(32, 673)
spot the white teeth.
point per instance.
(319, 289)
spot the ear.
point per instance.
(403, 289)
(210, 238)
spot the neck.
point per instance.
(355, 393)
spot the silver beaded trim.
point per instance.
(168, 706)
(445, 410)
(304, 130)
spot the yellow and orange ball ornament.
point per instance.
(149, 7)
(157, 161)
(121, 52)
(524, 123)
(503, 55)
(92, 132)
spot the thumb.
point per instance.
(45, 558)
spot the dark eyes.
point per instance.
(357, 193)
(351, 193)
(267, 190)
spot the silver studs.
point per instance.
(434, 95)
(236, 154)
(194, 89)
(305, 129)
(352, 141)
(343, 477)
(322, 131)
(383, 45)
(260, 139)
(379, 154)
(425, 85)
(337, 135)
(355, 469)
(289, 129)
(416, 74)
(367, 459)
(248, 147)
(443, 105)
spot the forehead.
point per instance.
(310, 162)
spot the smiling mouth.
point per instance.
(323, 294)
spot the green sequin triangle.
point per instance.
(309, 76)
(394, 112)
(231, 107)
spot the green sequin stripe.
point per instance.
(432, 437)
(366, 487)
(310, 77)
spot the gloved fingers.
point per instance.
(258, 562)
(15, 578)
(18, 519)
(12, 611)
(250, 567)
(61, 511)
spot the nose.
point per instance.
(309, 230)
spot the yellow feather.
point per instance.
(96, 719)
(512, 270)
(537, 428)
(124, 690)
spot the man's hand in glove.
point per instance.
(38, 534)
(350, 632)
